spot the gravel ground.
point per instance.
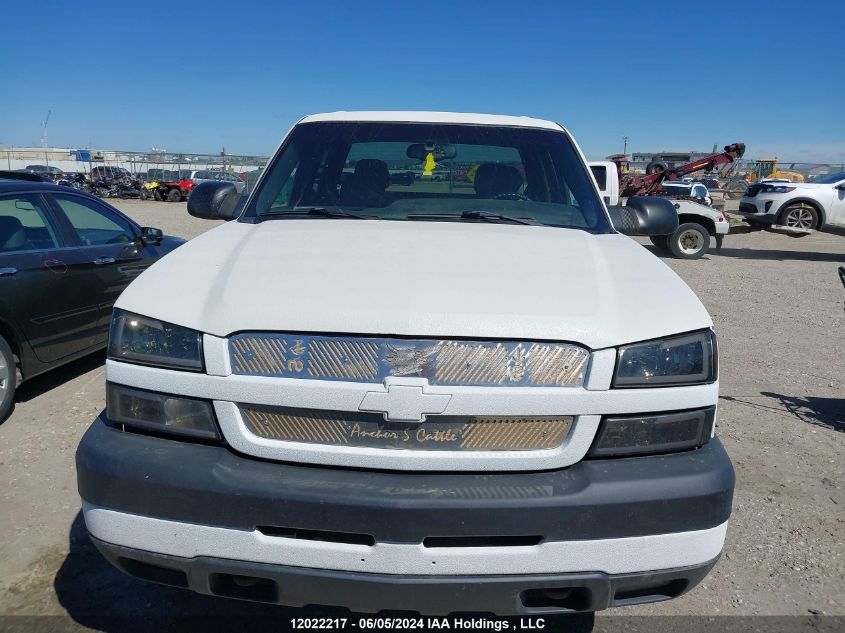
(778, 308)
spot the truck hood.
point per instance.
(798, 185)
(810, 185)
(439, 279)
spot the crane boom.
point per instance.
(636, 185)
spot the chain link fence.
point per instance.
(142, 165)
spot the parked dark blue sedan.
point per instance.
(65, 256)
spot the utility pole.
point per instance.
(44, 128)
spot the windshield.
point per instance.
(830, 179)
(400, 171)
(677, 189)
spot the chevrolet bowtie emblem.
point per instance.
(404, 403)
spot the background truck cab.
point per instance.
(698, 223)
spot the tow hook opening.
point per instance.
(640, 595)
(564, 598)
(153, 573)
(243, 587)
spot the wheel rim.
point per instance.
(690, 242)
(799, 218)
(5, 375)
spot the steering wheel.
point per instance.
(511, 196)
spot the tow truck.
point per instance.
(632, 184)
(697, 222)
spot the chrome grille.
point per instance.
(455, 433)
(442, 362)
(555, 364)
(289, 426)
(515, 433)
(258, 355)
(463, 363)
(352, 359)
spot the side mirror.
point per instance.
(151, 236)
(645, 215)
(214, 200)
(841, 186)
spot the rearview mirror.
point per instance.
(214, 200)
(151, 236)
(645, 215)
(439, 152)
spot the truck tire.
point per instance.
(689, 241)
(174, 195)
(660, 241)
(655, 167)
(800, 215)
(157, 195)
(8, 378)
(145, 193)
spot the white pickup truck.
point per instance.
(697, 223)
(466, 395)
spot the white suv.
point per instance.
(471, 394)
(802, 205)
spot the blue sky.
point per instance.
(206, 75)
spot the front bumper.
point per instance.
(608, 528)
(761, 208)
(428, 595)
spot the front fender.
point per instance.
(818, 206)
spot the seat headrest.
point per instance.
(12, 234)
(372, 174)
(493, 179)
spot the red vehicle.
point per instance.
(176, 190)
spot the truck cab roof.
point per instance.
(458, 118)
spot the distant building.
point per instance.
(81, 160)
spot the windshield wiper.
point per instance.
(323, 212)
(495, 218)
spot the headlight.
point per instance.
(777, 189)
(653, 433)
(139, 339)
(160, 412)
(679, 360)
